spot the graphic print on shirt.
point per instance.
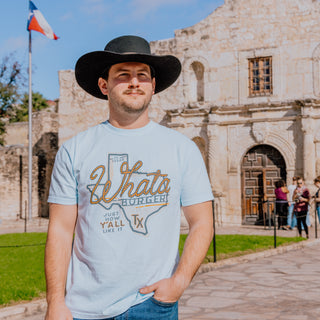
(127, 191)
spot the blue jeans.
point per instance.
(318, 212)
(308, 219)
(292, 219)
(150, 309)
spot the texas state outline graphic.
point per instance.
(136, 209)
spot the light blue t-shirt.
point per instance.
(129, 186)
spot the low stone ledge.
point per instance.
(253, 256)
(20, 311)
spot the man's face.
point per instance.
(129, 88)
(300, 183)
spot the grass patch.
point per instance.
(21, 267)
(228, 246)
(22, 260)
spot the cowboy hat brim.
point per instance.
(89, 69)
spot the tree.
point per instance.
(11, 82)
(21, 111)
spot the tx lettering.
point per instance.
(137, 222)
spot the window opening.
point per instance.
(260, 76)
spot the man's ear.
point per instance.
(103, 85)
(153, 85)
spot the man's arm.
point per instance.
(57, 257)
(200, 220)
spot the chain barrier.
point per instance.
(269, 218)
(24, 245)
(214, 234)
(316, 220)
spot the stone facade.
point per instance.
(14, 166)
(247, 140)
(211, 101)
(215, 103)
(16, 134)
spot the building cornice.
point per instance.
(220, 115)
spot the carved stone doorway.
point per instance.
(261, 167)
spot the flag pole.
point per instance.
(30, 132)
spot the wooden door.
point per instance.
(261, 167)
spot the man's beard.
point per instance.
(129, 109)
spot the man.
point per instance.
(301, 196)
(118, 188)
(292, 220)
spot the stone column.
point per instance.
(309, 156)
(213, 155)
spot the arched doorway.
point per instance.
(261, 167)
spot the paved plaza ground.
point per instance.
(283, 287)
(282, 284)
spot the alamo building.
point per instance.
(248, 96)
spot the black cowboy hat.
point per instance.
(93, 65)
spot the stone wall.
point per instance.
(14, 166)
(77, 110)
(14, 183)
(210, 102)
(287, 30)
(16, 134)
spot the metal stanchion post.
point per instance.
(315, 221)
(268, 211)
(25, 216)
(264, 213)
(275, 224)
(214, 234)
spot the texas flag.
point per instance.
(37, 22)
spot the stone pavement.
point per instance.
(282, 283)
(282, 287)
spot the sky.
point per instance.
(88, 25)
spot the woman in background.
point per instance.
(301, 196)
(281, 193)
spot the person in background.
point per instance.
(301, 196)
(317, 195)
(292, 219)
(281, 192)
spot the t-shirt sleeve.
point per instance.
(63, 187)
(195, 186)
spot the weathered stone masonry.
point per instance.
(14, 167)
(247, 140)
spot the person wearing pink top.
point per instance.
(281, 192)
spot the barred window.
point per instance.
(260, 76)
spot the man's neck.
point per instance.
(140, 122)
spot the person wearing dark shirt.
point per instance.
(301, 196)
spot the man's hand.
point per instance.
(58, 311)
(166, 290)
(200, 220)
